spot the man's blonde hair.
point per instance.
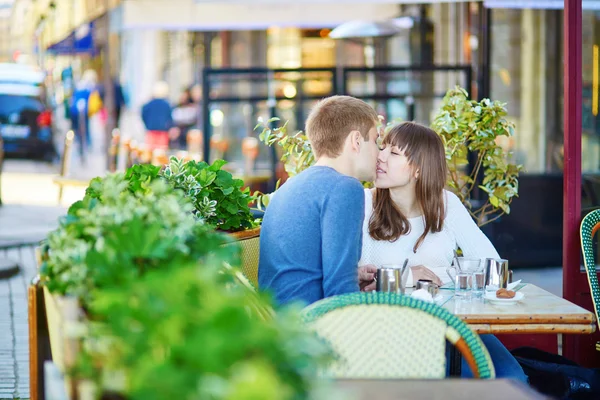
(331, 121)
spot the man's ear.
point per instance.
(355, 140)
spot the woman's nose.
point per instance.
(382, 156)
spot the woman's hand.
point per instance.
(421, 272)
(366, 278)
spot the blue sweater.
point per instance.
(311, 237)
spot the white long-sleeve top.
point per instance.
(437, 249)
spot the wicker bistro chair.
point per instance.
(389, 336)
(589, 226)
(250, 243)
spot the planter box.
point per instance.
(62, 313)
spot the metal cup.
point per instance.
(497, 273)
(389, 280)
(431, 287)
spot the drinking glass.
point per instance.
(478, 283)
(462, 286)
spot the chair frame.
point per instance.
(589, 226)
(468, 344)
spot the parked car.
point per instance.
(25, 118)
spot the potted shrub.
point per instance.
(465, 126)
(162, 312)
(178, 332)
(218, 199)
(137, 231)
(469, 126)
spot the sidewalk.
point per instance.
(29, 212)
(19, 223)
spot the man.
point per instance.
(156, 115)
(311, 233)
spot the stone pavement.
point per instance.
(19, 224)
(29, 212)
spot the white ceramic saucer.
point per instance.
(491, 297)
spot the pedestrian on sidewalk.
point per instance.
(85, 103)
(156, 115)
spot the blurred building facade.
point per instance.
(5, 46)
(511, 49)
(172, 40)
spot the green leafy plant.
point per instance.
(465, 126)
(217, 197)
(118, 239)
(297, 152)
(165, 313)
(219, 200)
(178, 333)
(471, 126)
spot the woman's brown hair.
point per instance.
(424, 151)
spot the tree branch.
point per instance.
(493, 219)
(477, 167)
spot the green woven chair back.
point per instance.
(589, 226)
(389, 336)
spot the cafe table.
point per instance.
(446, 389)
(539, 312)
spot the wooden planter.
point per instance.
(62, 315)
(64, 327)
(246, 234)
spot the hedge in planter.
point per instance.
(218, 198)
(121, 237)
(177, 333)
(161, 308)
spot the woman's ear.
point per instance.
(417, 174)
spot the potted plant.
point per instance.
(162, 313)
(177, 332)
(466, 126)
(469, 126)
(108, 242)
(219, 200)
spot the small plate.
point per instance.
(491, 297)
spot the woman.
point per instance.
(411, 215)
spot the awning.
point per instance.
(245, 14)
(80, 41)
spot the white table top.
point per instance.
(538, 312)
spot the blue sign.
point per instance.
(80, 41)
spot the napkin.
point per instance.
(422, 294)
(510, 286)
